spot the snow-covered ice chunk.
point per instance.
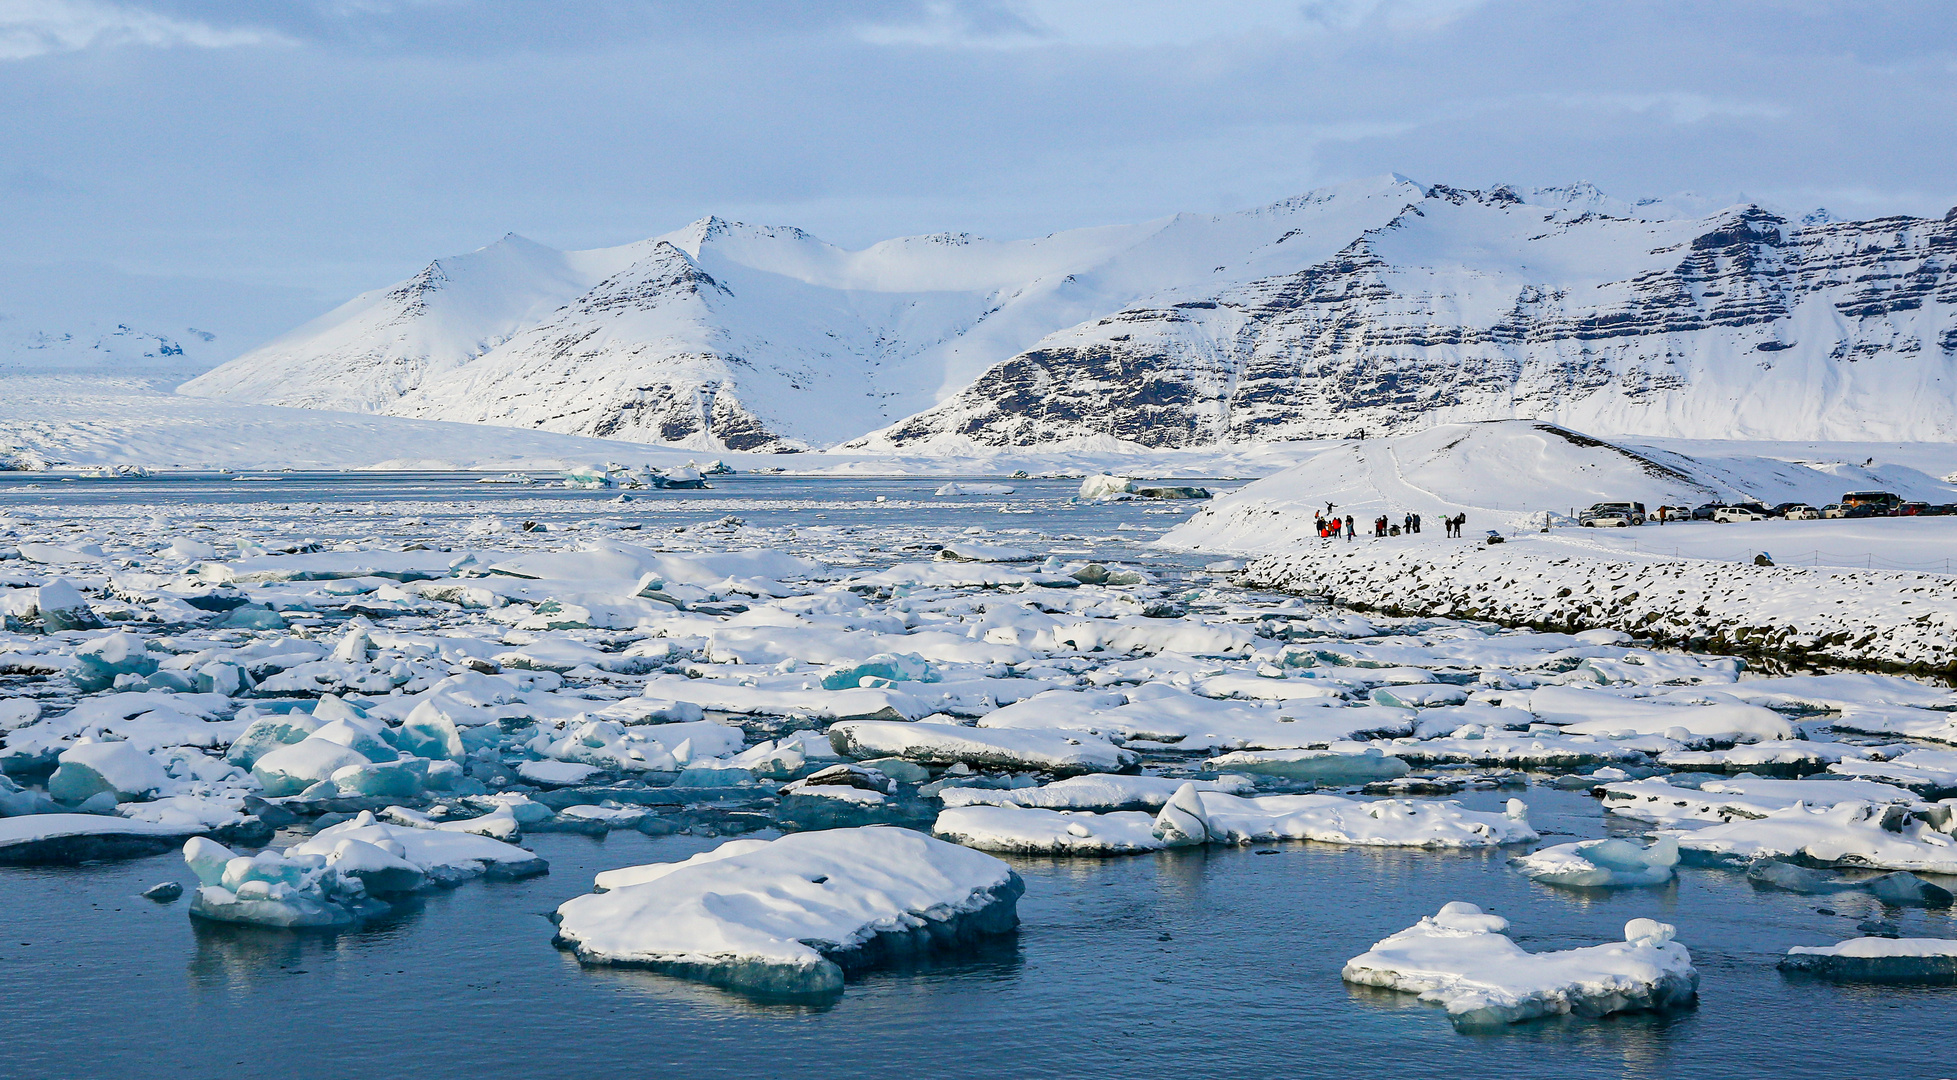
(288, 890)
(1594, 712)
(445, 856)
(787, 916)
(269, 733)
(1461, 959)
(948, 744)
(100, 662)
(1610, 863)
(1877, 960)
(1333, 819)
(984, 553)
(1032, 831)
(557, 773)
(1104, 486)
(1334, 766)
(292, 769)
(1657, 800)
(118, 768)
(1099, 791)
(1846, 834)
(41, 839)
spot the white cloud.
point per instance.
(1678, 108)
(1013, 24)
(30, 28)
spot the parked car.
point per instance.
(1863, 510)
(1704, 513)
(1798, 512)
(1743, 512)
(1674, 513)
(1878, 502)
(1612, 514)
(1834, 510)
(1912, 509)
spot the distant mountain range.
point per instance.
(1379, 306)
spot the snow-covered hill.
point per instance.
(1377, 306)
(1509, 473)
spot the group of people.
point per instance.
(1330, 526)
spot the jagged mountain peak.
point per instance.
(1378, 303)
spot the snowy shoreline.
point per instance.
(1871, 620)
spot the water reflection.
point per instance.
(236, 958)
(994, 959)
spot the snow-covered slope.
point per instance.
(723, 335)
(1377, 306)
(1509, 473)
(1474, 305)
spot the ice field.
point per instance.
(812, 770)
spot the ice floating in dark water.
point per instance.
(1878, 960)
(1460, 959)
(786, 917)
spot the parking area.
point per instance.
(1925, 543)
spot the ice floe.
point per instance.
(787, 917)
(1461, 959)
(1602, 864)
(1877, 960)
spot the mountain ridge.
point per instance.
(1378, 305)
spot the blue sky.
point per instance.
(284, 154)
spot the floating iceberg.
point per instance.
(1333, 767)
(949, 744)
(1611, 863)
(786, 917)
(66, 839)
(1032, 831)
(1222, 818)
(1601, 713)
(1100, 792)
(1847, 834)
(1104, 486)
(292, 889)
(1659, 800)
(445, 856)
(1461, 959)
(1877, 960)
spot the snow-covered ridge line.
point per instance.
(1375, 306)
(1870, 619)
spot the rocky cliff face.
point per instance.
(1472, 305)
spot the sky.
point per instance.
(253, 164)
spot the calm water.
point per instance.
(1216, 963)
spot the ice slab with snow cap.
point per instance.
(786, 917)
(1460, 958)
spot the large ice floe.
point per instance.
(788, 917)
(1461, 959)
(1877, 960)
(1192, 816)
(1845, 834)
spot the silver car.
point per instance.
(1612, 514)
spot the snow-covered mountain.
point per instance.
(1379, 306)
